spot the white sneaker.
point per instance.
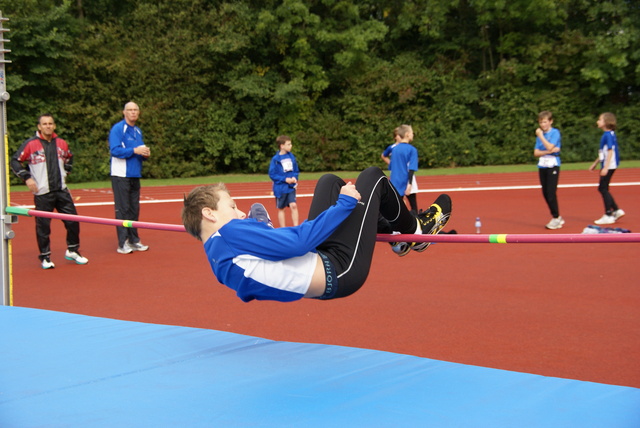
(125, 249)
(555, 223)
(138, 246)
(618, 213)
(47, 263)
(605, 219)
(76, 257)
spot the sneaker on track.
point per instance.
(138, 246)
(47, 263)
(605, 219)
(125, 249)
(555, 223)
(76, 257)
(618, 213)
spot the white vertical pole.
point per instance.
(5, 225)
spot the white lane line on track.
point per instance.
(308, 195)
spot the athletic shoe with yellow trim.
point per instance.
(431, 222)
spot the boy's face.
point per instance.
(286, 147)
(226, 211)
(601, 123)
(545, 124)
(410, 135)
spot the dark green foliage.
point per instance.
(218, 81)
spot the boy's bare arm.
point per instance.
(349, 189)
(551, 148)
(605, 166)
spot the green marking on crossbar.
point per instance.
(18, 211)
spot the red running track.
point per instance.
(564, 310)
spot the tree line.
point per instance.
(218, 81)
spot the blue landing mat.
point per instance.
(59, 369)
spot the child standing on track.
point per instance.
(325, 257)
(547, 149)
(404, 164)
(284, 171)
(609, 158)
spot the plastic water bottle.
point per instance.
(478, 225)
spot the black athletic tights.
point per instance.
(549, 181)
(350, 247)
(609, 203)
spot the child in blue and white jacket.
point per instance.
(609, 159)
(326, 257)
(284, 171)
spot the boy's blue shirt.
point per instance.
(387, 153)
(283, 167)
(263, 263)
(404, 158)
(552, 136)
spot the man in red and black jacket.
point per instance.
(49, 160)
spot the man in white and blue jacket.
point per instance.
(128, 151)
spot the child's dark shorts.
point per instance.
(285, 200)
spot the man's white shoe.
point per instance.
(138, 246)
(47, 263)
(605, 219)
(125, 249)
(76, 257)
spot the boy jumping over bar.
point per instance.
(326, 257)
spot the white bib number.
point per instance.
(548, 161)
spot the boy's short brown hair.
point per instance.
(282, 139)
(545, 114)
(403, 130)
(199, 198)
(610, 120)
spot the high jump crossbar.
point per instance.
(452, 238)
(96, 220)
